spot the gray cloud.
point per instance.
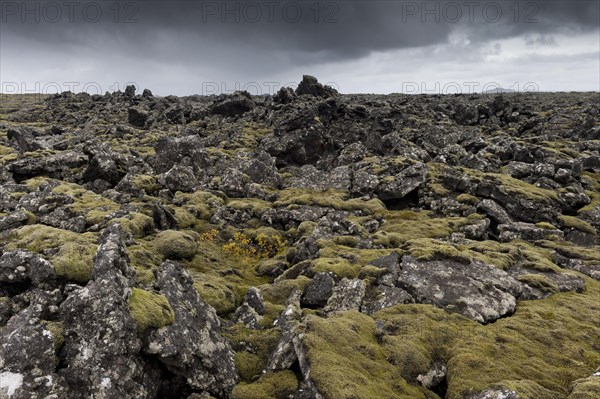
(228, 40)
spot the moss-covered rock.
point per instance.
(576, 223)
(71, 253)
(217, 293)
(150, 310)
(275, 385)
(176, 245)
(348, 362)
(339, 266)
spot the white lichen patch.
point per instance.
(10, 382)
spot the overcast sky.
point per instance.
(203, 47)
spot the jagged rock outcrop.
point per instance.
(191, 347)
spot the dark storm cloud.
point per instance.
(343, 29)
(184, 43)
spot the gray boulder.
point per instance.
(25, 267)
(347, 295)
(478, 291)
(101, 337)
(318, 291)
(311, 86)
(192, 346)
(527, 232)
(403, 183)
(235, 104)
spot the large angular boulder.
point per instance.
(311, 86)
(192, 346)
(101, 336)
(478, 291)
(235, 104)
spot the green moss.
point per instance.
(347, 360)
(355, 256)
(144, 259)
(150, 310)
(201, 204)
(74, 261)
(274, 385)
(540, 282)
(576, 223)
(71, 253)
(371, 271)
(56, 330)
(339, 266)
(269, 266)
(305, 228)
(545, 225)
(146, 182)
(467, 199)
(173, 244)
(255, 347)
(402, 226)
(249, 365)
(347, 241)
(185, 219)
(571, 250)
(514, 186)
(220, 278)
(217, 292)
(592, 180)
(254, 205)
(588, 388)
(529, 389)
(280, 291)
(428, 249)
(501, 255)
(435, 174)
(530, 346)
(93, 206)
(137, 224)
(35, 182)
(339, 200)
(6, 150)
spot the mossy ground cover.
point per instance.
(513, 186)
(577, 223)
(538, 351)
(593, 182)
(403, 226)
(93, 206)
(253, 348)
(71, 253)
(222, 277)
(274, 385)
(336, 199)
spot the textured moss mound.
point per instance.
(537, 352)
(176, 244)
(336, 199)
(150, 310)
(71, 253)
(278, 385)
(93, 206)
(588, 388)
(137, 224)
(341, 267)
(348, 362)
(257, 344)
(576, 223)
(217, 293)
